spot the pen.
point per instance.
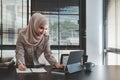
(19, 61)
(21, 67)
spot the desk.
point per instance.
(98, 73)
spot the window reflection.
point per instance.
(11, 34)
(53, 29)
(66, 32)
(69, 30)
(14, 14)
(7, 55)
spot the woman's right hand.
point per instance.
(59, 65)
(22, 67)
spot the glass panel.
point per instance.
(8, 54)
(53, 29)
(14, 18)
(0, 55)
(111, 25)
(118, 24)
(69, 30)
(0, 21)
(113, 58)
(113, 31)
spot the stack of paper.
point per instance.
(35, 70)
(32, 70)
(26, 71)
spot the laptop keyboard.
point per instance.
(58, 70)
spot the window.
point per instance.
(63, 15)
(112, 31)
(13, 17)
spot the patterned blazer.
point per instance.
(24, 53)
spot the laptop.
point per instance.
(73, 63)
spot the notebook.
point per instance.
(73, 63)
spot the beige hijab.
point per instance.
(29, 35)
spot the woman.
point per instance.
(32, 42)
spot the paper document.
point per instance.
(26, 71)
(38, 70)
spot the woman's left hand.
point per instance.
(57, 65)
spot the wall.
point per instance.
(94, 30)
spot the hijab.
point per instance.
(29, 34)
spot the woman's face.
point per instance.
(42, 30)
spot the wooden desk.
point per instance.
(98, 73)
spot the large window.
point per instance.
(64, 23)
(112, 31)
(14, 13)
(13, 17)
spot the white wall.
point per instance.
(94, 30)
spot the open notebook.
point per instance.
(32, 70)
(73, 63)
